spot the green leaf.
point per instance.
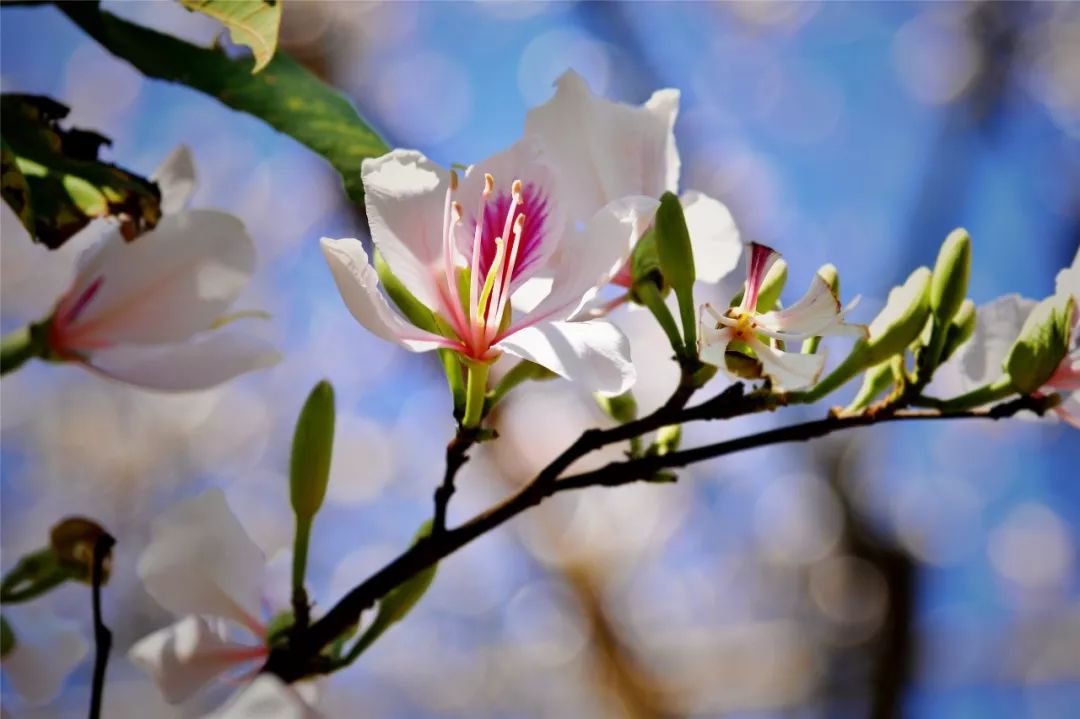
(53, 180)
(284, 95)
(313, 445)
(254, 23)
(1042, 344)
(7, 637)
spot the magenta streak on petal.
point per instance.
(534, 206)
(77, 307)
(761, 258)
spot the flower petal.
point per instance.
(1068, 280)
(358, 284)
(47, 649)
(788, 370)
(997, 326)
(596, 353)
(201, 561)
(175, 177)
(713, 236)
(165, 286)
(593, 258)
(713, 340)
(816, 314)
(405, 195)
(188, 366)
(1069, 409)
(760, 258)
(267, 697)
(605, 150)
(186, 656)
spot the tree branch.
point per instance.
(102, 636)
(300, 659)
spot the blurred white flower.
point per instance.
(267, 697)
(817, 314)
(148, 312)
(46, 650)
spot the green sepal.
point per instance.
(1042, 344)
(668, 440)
(645, 263)
(622, 408)
(279, 627)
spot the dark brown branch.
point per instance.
(300, 659)
(457, 454)
(102, 636)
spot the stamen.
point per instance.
(508, 276)
(515, 190)
(474, 273)
(450, 219)
(458, 212)
(453, 180)
(489, 281)
(489, 184)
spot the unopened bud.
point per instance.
(313, 444)
(950, 281)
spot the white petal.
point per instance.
(605, 150)
(405, 194)
(165, 286)
(201, 561)
(997, 325)
(712, 340)
(713, 236)
(358, 284)
(47, 649)
(594, 257)
(1069, 409)
(267, 697)
(595, 354)
(197, 364)
(175, 177)
(184, 657)
(789, 370)
(816, 314)
(1068, 280)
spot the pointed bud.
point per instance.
(668, 439)
(622, 407)
(313, 443)
(677, 262)
(950, 281)
(960, 329)
(902, 319)
(1042, 344)
(876, 380)
(645, 262)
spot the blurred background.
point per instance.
(895, 571)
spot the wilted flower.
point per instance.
(148, 312)
(817, 314)
(202, 566)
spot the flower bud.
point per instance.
(677, 262)
(1042, 344)
(902, 319)
(74, 540)
(313, 443)
(668, 439)
(645, 262)
(960, 329)
(876, 380)
(622, 407)
(950, 280)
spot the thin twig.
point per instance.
(457, 454)
(296, 661)
(102, 636)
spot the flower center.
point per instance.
(744, 326)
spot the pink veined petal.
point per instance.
(816, 314)
(405, 199)
(175, 177)
(194, 365)
(595, 257)
(788, 370)
(714, 237)
(199, 560)
(358, 284)
(186, 656)
(760, 260)
(595, 354)
(267, 697)
(713, 337)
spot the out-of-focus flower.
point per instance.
(46, 649)
(817, 314)
(267, 697)
(148, 312)
(202, 566)
(604, 150)
(468, 259)
(999, 324)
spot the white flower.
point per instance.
(467, 252)
(46, 650)
(267, 697)
(147, 312)
(604, 150)
(997, 326)
(817, 314)
(202, 566)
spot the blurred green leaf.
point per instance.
(285, 95)
(254, 23)
(7, 637)
(53, 180)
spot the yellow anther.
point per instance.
(489, 183)
(453, 180)
(458, 211)
(516, 189)
(519, 223)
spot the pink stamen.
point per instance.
(761, 259)
(504, 295)
(502, 277)
(474, 273)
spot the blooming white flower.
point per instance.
(465, 250)
(47, 649)
(147, 312)
(201, 565)
(997, 326)
(817, 314)
(604, 150)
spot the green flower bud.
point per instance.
(901, 321)
(960, 329)
(875, 382)
(313, 444)
(1042, 344)
(950, 280)
(645, 262)
(622, 408)
(668, 439)
(677, 262)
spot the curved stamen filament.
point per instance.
(474, 275)
(495, 320)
